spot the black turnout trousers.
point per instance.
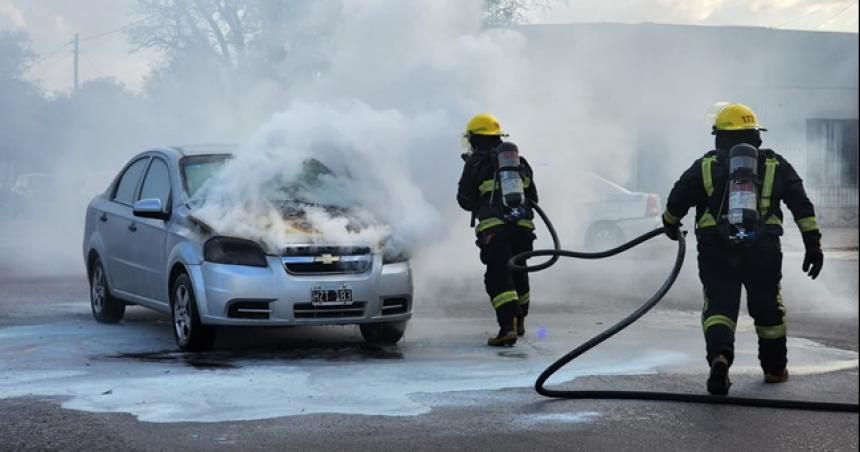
(723, 270)
(498, 245)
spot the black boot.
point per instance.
(776, 377)
(521, 319)
(718, 381)
(506, 315)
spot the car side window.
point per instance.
(156, 184)
(124, 192)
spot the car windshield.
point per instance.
(305, 187)
(197, 169)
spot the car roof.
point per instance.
(176, 153)
(205, 149)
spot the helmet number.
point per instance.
(748, 119)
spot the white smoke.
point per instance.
(366, 149)
(400, 80)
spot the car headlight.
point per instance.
(392, 255)
(228, 250)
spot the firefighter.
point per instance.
(725, 262)
(502, 231)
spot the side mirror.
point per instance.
(150, 208)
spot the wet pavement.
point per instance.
(68, 383)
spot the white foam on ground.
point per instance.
(68, 360)
(560, 418)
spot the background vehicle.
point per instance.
(615, 214)
(141, 246)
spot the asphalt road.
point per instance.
(67, 383)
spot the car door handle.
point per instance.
(103, 217)
(132, 227)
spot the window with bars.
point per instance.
(831, 162)
(832, 153)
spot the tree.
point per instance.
(20, 100)
(15, 55)
(222, 30)
(510, 12)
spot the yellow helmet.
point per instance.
(484, 124)
(736, 116)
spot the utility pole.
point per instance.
(77, 52)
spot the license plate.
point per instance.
(321, 296)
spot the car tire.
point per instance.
(106, 308)
(603, 236)
(383, 333)
(190, 334)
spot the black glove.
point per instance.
(672, 230)
(814, 258)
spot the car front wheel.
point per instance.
(106, 308)
(190, 334)
(385, 333)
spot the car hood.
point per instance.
(297, 221)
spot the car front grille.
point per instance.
(309, 311)
(326, 260)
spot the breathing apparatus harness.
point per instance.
(513, 206)
(745, 198)
(511, 183)
(518, 263)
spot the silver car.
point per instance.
(142, 247)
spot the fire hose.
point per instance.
(518, 263)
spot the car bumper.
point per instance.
(244, 296)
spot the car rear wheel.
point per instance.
(385, 333)
(106, 309)
(603, 236)
(190, 334)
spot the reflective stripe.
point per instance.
(527, 181)
(707, 178)
(773, 219)
(488, 223)
(706, 221)
(494, 221)
(487, 186)
(504, 298)
(771, 332)
(525, 298)
(718, 319)
(526, 224)
(767, 185)
(671, 219)
(807, 224)
(779, 302)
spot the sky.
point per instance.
(106, 52)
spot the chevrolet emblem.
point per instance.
(327, 259)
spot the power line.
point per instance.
(93, 66)
(115, 30)
(841, 11)
(51, 53)
(56, 62)
(806, 14)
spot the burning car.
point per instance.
(144, 246)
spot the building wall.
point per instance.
(658, 81)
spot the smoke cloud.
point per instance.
(379, 92)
